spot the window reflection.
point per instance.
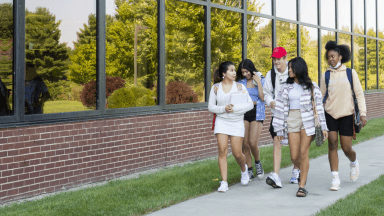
(346, 40)
(286, 36)
(309, 51)
(260, 6)
(381, 64)
(6, 58)
(371, 17)
(226, 38)
(309, 11)
(371, 64)
(259, 45)
(359, 59)
(184, 47)
(328, 13)
(380, 14)
(344, 7)
(131, 54)
(325, 37)
(229, 3)
(60, 43)
(358, 16)
(286, 9)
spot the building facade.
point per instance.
(124, 85)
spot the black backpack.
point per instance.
(4, 102)
(273, 79)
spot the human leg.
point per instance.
(246, 146)
(255, 131)
(305, 144)
(222, 140)
(236, 144)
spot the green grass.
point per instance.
(63, 106)
(155, 191)
(367, 200)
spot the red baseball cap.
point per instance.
(279, 52)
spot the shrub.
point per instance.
(76, 92)
(178, 92)
(59, 90)
(133, 96)
(88, 95)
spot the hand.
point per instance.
(256, 78)
(325, 134)
(364, 120)
(228, 108)
(273, 104)
(280, 138)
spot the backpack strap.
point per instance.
(349, 75)
(327, 77)
(239, 86)
(273, 79)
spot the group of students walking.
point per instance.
(292, 97)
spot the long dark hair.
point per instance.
(300, 68)
(218, 74)
(246, 64)
(343, 50)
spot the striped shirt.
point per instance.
(282, 110)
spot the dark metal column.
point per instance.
(19, 58)
(161, 50)
(365, 44)
(244, 29)
(207, 40)
(100, 56)
(319, 54)
(298, 26)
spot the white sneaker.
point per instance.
(274, 180)
(245, 176)
(295, 176)
(335, 186)
(355, 171)
(223, 187)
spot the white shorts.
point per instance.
(231, 128)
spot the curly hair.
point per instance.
(343, 50)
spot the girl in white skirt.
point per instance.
(229, 123)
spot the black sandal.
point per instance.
(302, 191)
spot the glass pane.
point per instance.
(380, 7)
(131, 54)
(286, 37)
(286, 9)
(346, 40)
(371, 17)
(381, 64)
(259, 46)
(260, 6)
(229, 3)
(60, 42)
(309, 11)
(325, 37)
(359, 59)
(226, 38)
(328, 13)
(184, 46)
(6, 58)
(371, 64)
(345, 15)
(358, 16)
(309, 51)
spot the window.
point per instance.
(6, 58)
(286, 36)
(131, 54)
(309, 51)
(260, 6)
(371, 17)
(346, 40)
(381, 64)
(380, 8)
(226, 38)
(184, 48)
(344, 7)
(232, 3)
(358, 16)
(259, 45)
(308, 10)
(371, 64)
(286, 9)
(328, 13)
(60, 56)
(359, 59)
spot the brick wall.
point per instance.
(43, 159)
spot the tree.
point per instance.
(43, 49)
(6, 43)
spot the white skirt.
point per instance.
(231, 128)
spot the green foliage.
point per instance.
(43, 50)
(133, 96)
(64, 106)
(83, 63)
(59, 90)
(6, 43)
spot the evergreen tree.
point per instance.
(6, 43)
(43, 50)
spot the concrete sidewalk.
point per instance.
(258, 198)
